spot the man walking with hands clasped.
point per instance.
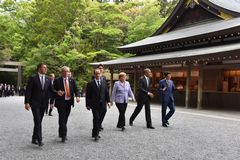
(65, 88)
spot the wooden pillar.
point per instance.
(19, 77)
(188, 87)
(200, 88)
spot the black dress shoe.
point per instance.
(96, 138)
(34, 141)
(63, 139)
(50, 114)
(130, 123)
(40, 143)
(167, 123)
(164, 125)
(101, 129)
(62, 136)
(123, 128)
(150, 127)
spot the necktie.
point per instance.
(67, 88)
(168, 83)
(147, 81)
(98, 83)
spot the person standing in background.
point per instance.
(51, 105)
(103, 79)
(121, 91)
(1, 90)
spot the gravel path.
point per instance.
(192, 135)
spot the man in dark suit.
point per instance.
(97, 97)
(166, 88)
(103, 79)
(51, 105)
(36, 98)
(65, 88)
(144, 96)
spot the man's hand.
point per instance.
(88, 108)
(109, 105)
(27, 106)
(164, 89)
(60, 93)
(150, 95)
(78, 99)
(51, 106)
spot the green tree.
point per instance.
(106, 27)
(145, 23)
(73, 33)
(166, 7)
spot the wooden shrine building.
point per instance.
(200, 45)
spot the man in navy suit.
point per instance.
(37, 95)
(65, 88)
(166, 88)
(97, 97)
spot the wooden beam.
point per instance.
(12, 63)
(8, 69)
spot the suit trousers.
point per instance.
(102, 115)
(38, 113)
(97, 111)
(63, 112)
(139, 107)
(121, 119)
(169, 104)
(49, 111)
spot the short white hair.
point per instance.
(65, 68)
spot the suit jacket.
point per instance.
(58, 85)
(35, 95)
(96, 95)
(103, 78)
(143, 88)
(168, 93)
(121, 93)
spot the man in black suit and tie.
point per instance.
(51, 105)
(37, 95)
(97, 97)
(65, 88)
(144, 96)
(103, 79)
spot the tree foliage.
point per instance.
(74, 33)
